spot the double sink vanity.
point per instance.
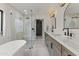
(61, 45)
(64, 44)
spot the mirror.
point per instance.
(1, 21)
(71, 16)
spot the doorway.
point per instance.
(38, 27)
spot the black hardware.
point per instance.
(64, 33)
(51, 45)
(67, 33)
(70, 34)
(68, 55)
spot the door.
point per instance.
(38, 27)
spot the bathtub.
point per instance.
(13, 48)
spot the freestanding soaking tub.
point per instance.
(13, 48)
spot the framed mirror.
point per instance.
(1, 21)
(71, 16)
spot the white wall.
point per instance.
(19, 26)
(60, 18)
(2, 7)
(9, 23)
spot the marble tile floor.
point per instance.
(39, 48)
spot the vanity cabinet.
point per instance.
(47, 40)
(49, 44)
(55, 48)
(66, 52)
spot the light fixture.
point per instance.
(62, 4)
(25, 12)
(51, 12)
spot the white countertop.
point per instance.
(69, 43)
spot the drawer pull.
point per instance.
(52, 45)
(68, 55)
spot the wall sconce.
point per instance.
(51, 12)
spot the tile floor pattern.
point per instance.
(39, 49)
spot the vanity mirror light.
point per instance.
(71, 16)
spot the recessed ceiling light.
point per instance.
(25, 11)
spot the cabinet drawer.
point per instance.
(57, 48)
(57, 52)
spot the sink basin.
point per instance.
(56, 34)
(75, 41)
(59, 35)
(65, 38)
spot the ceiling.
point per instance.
(37, 8)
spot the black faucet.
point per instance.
(67, 33)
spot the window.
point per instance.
(1, 21)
